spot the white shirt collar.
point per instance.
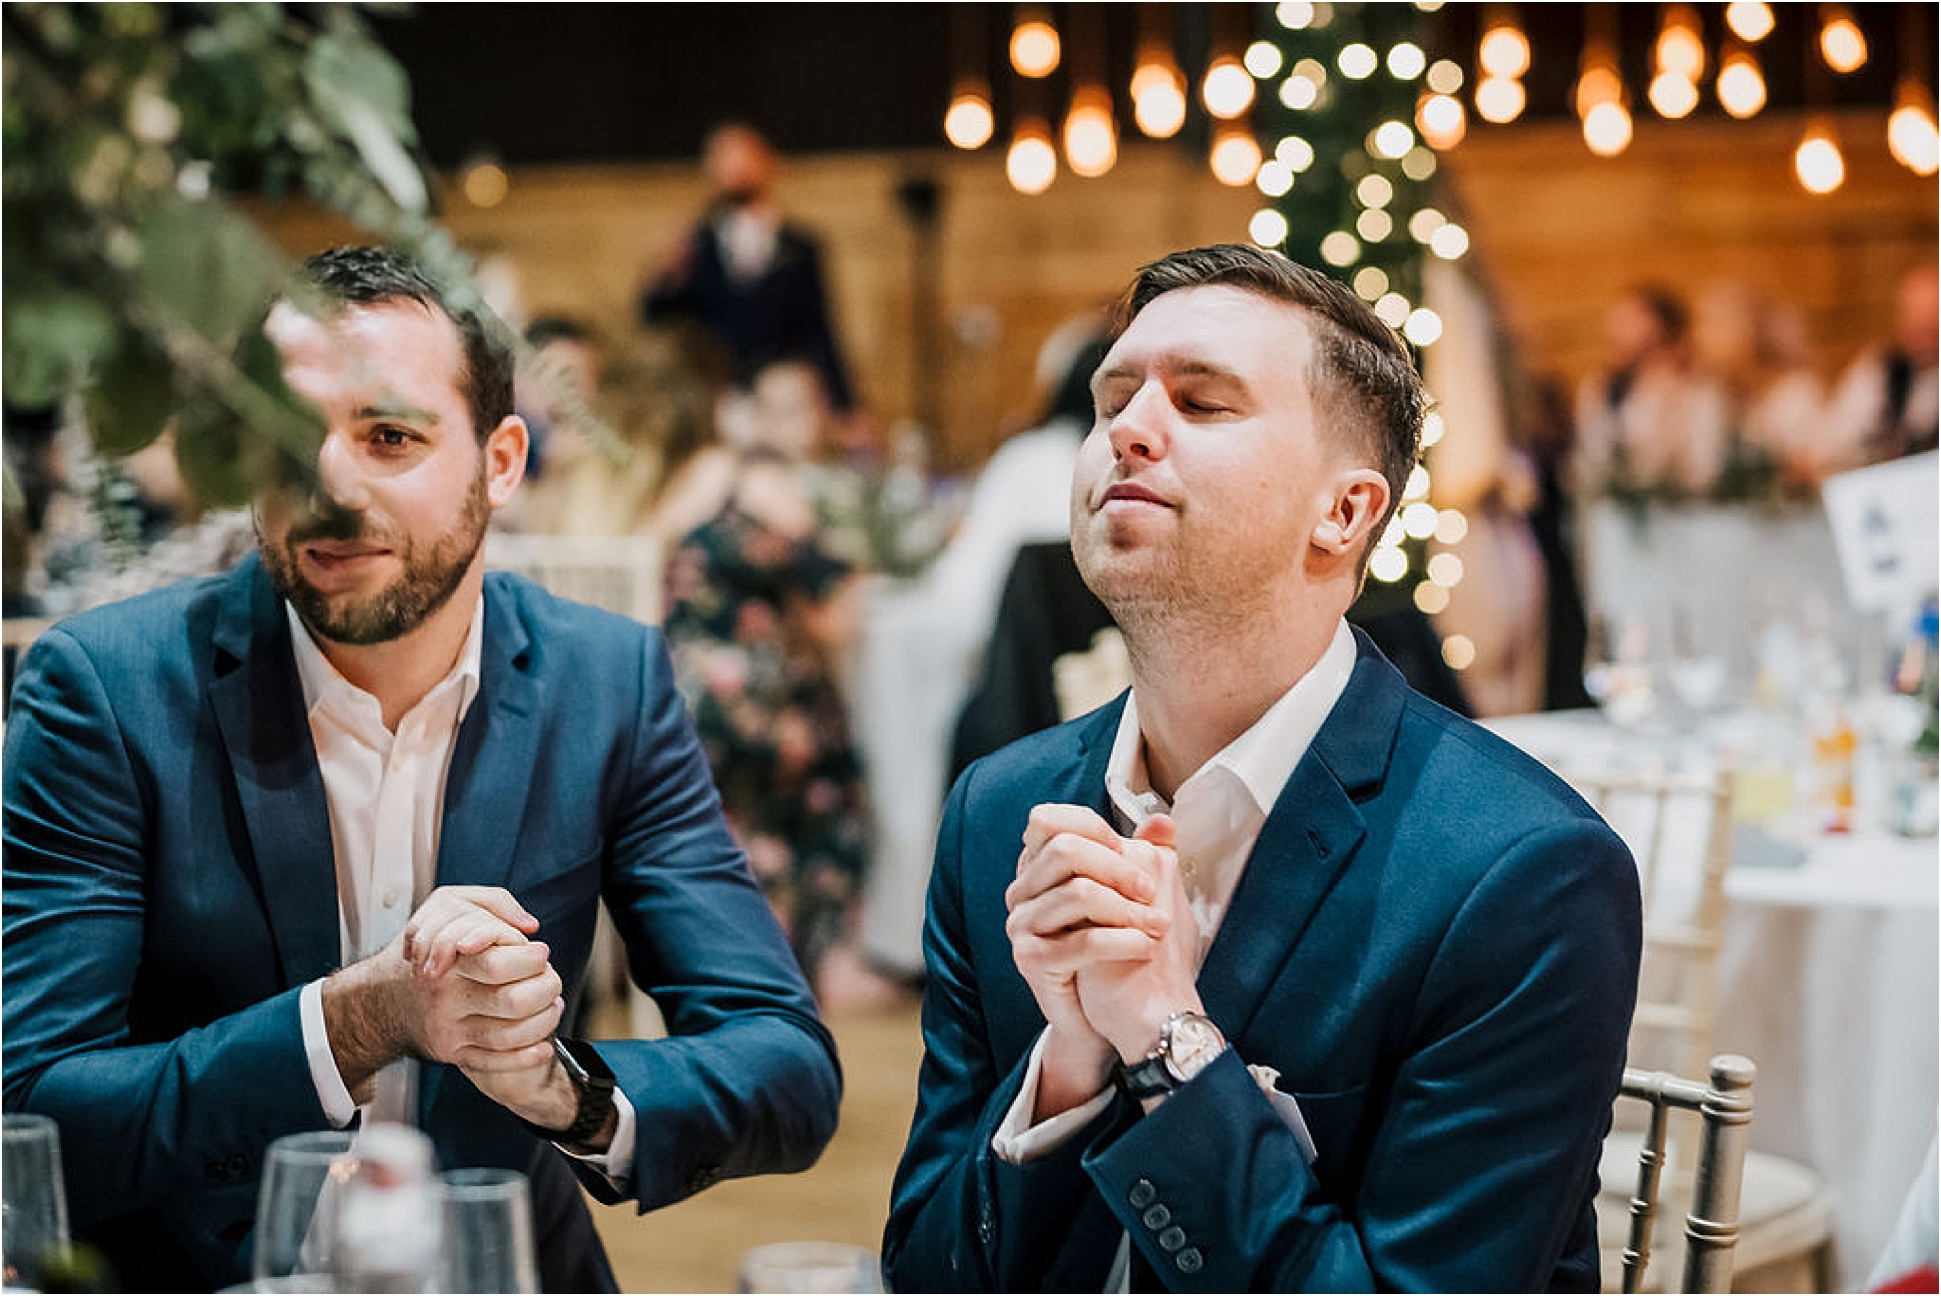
(1261, 759)
(325, 686)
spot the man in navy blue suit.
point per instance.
(325, 839)
(1299, 981)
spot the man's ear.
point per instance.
(1360, 500)
(505, 459)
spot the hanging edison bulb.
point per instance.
(1228, 88)
(1035, 47)
(1680, 47)
(1817, 161)
(1750, 20)
(1673, 95)
(1158, 93)
(1841, 43)
(1499, 99)
(1235, 157)
(1091, 139)
(1504, 50)
(1741, 86)
(1031, 163)
(1911, 132)
(968, 122)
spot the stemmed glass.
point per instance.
(1698, 665)
(1617, 667)
(293, 1236)
(33, 1201)
(810, 1267)
(488, 1232)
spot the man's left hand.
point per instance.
(1128, 1000)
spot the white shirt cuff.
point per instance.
(617, 1162)
(1017, 1140)
(331, 1090)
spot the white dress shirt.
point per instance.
(386, 796)
(1218, 813)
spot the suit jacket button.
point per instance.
(986, 1227)
(1172, 1239)
(1142, 1194)
(1156, 1217)
(213, 1171)
(1189, 1261)
(238, 1166)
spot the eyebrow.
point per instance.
(400, 410)
(1187, 368)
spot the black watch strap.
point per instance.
(1147, 1078)
(593, 1080)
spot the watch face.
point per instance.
(1191, 1042)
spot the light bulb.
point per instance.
(1817, 162)
(1681, 47)
(1911, 134)
(1742, 90)
(1031, 163)
(1598, 84)
(1504, 52)
(1268, 228)
(1441, 120)
(1499, 99)
(1227, 90)
(1034, 48)
(1842, 45)
(1235, 157)
(1750, 20)
(968, 123)
(1091, 142)
(1159, 102)
(1607, 129)
(1673, 95)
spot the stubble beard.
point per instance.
(431, 575)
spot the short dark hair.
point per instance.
(1361, 371)
(370, 276)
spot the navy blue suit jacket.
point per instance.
(170, 886)
(1435, 942)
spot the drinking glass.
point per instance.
(293, 1237)
(1617, 667)
(810, 1267)
(33, 1201)
(488, 1232)
(1698, 662)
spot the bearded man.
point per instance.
(325, 838)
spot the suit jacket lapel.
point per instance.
(491, 770)
(258, 703)
(1305, 844)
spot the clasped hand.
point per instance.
(1102, 932)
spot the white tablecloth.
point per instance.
(1828, 978)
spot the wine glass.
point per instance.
(488, 1232)
(810, 1267)
(33, 1200)
(293, 1210)
(1617, 667)
(1698, 666)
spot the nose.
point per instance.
(1138, 430)
(340, 477)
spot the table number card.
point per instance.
(1884, 527)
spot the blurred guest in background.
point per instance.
(1756, 350)
(760, 613)
(557, 380)
(1649, 424)
(748, 275)
(1888, 403)
(1305, 983)
(333, 830)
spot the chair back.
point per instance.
(1724, 1109)
(619, 573)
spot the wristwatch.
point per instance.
(593, 1079)
(1187, 1043)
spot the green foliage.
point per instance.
(130, 281)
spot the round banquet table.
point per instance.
(1827, 979)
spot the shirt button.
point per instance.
(1189, 1261)
(1172, 1239)
(390, 900)
(1142, 1194)
(1156, 1217)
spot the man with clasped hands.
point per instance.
(1300, 982)
(328, 835)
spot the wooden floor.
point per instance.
(695, 1245)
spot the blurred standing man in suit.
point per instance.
(751, 279)
(326, 836)
(1300, 982)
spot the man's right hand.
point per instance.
(1077, 901)
(461, 983)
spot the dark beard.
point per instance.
(430, 577)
